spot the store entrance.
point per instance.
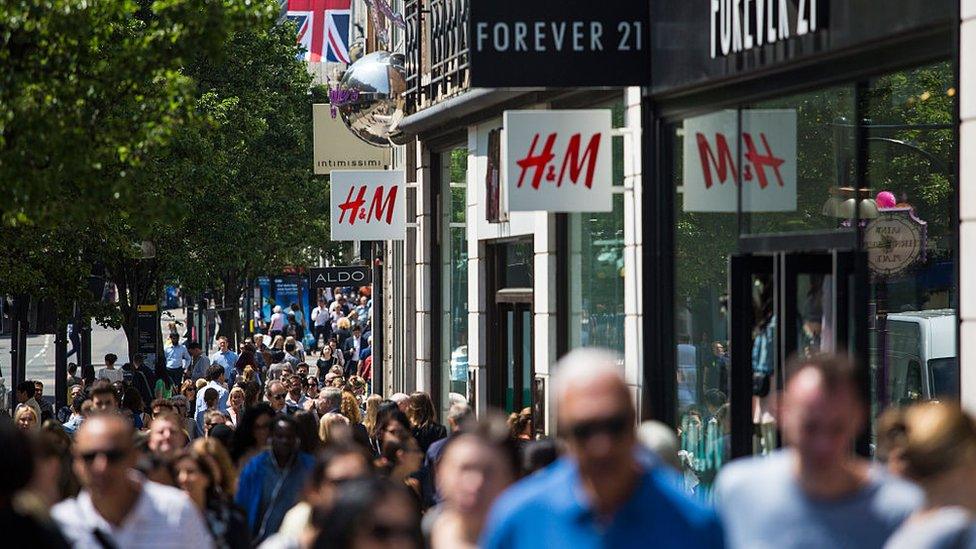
(513, 369)
(785, 303)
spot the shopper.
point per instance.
(370, 513)
(178, 359)
(934, 445)
(251, 437)
(197, 475)
(166, 435)
(423, 420)
(110, 372)
(600, 494)
(225, 358)
(270, 483)
(816, 492)
(118, 508)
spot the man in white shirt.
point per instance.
(277, 323)
(322, 322)
(216, 380)
(118, 507)
(109, 372)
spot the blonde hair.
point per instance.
(278, 343)
(343, 323)
(929, 439)
(220, 462)
(235, 390)
(327, 426)
(372, 408)
(349, 407)
(19, 413)
(248, 376)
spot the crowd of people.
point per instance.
(259, 456)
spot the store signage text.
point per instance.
(741, 25)
(368, 205)
(335, 147)
(327, 277)
(559, 43)
(713, 167)
(558, 161)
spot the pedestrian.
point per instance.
(370, 513)
(247, 359)
(334, 429)
(216, 380)
(119, 508)
(275, 394)
(110, 372)
(226, 358)
(166, 435)
(178, 359)
(277, 323)
(209, 397)
(270, 483)
(457, 415)
(815, 492)
(26, 419)
(296, 392)
(132, 406)
(77, 413)
(252, 435)
(235, 405)
(477, 465)
(322, 325)
(21, 528)
(934, 445)
(197, 475)
(600, 494)
(520, 426)
(25, 392)
(73, 378)
(199, 363)
(351, 348)
(104, 398)
(423, 420)
(164, 386)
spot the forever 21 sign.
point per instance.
(741, 25)
(559, 43)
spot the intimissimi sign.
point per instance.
(741, 25)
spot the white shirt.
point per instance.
(320, 315)
(111, 375)
(161, 517)
(277, 322)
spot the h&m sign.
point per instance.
(368, 205)
(330, 277)
(741, 25)
(712, 168)
(558, 161)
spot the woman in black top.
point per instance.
(423, 420)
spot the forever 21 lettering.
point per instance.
(558, 36)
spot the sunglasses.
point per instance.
(386, 532)
(114, 455)
(280, 396)
(613, 426)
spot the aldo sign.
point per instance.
(559, 43)
(330, 277)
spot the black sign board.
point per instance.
(147, 320)
(704, 43)
(559, 43)
(330, 277)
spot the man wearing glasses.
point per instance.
(118, 507)
(276, 393)
(603, 493)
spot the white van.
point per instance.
(922, 363)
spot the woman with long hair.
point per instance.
(252, 434)
(934, 445)
(423, 420)
(520, 426)
(164, 385)
(196, 473)
(372, 407)
(334, 429)
(247, 360)
(235, 405)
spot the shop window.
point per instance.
(596, 264)
(454, 276)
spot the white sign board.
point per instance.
(558, 161)
(336, 148)
(768, 170)
(368, 205)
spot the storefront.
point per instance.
(803, 198)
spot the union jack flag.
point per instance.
(323, 28)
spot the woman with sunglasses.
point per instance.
(198, 476)
(312, 387)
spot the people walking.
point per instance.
(815, 492)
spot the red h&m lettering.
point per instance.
(724, 165)
(541, 163)
(382, 205)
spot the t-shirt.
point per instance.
(762, 505)
(112, 375)
(277, 322)
(946, 528)
(161, 517)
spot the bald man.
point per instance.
(600, 494)
(118, 507)
(816, 492)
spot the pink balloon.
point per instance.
(886, 199)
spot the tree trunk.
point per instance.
(230, 317)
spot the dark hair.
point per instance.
(162, 374)
(27, 387)
(214, 371)
(289, 346)
(331, 453)
(104, 390)
(354, 511)
(132, 400)
(492, 431)
(244, 434)
(307, 428)
(420, 409)
(111, 358)
(538, 454)
(72, 368)
(206, 466)
(210, 395)
(193, 345)
(223, 434)
(246, 359)
(16, 460)
(77, 402)
(391, 416)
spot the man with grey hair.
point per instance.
(457, 416)
(600, 494)
(329, 400)
(401, 399)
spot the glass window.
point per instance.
(596, 264)
(454, 277)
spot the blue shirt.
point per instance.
(267, 492)
(549, 509)
(227, 359)
(175, 356)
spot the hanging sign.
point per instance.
(558, 161)
(559, 43)
(368, 205)
(335, 147)
(895, 240)
(768, 161)
(330, 277)
(741, 25)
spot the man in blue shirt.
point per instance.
(226, 358)
(600, 494)
(177, 360)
